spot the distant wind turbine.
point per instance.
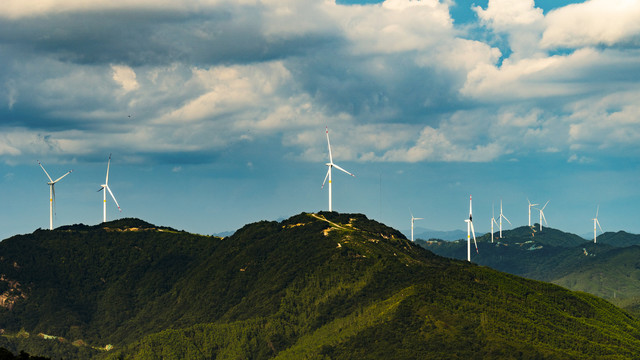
(105, 188)
(530, 205)
(542, 215)
(595, 221)
(52, 193)
(470, 230)
(330, 164)
(412, 220)
(493, 221)
(501, 217)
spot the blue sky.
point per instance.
(215, 111)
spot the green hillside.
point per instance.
(322, 286)
(607, 269)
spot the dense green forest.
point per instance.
(322, 286)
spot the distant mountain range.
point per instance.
(607, 269)
(427, 234)
(314, 286)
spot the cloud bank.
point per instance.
(397, 81)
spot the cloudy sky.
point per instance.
(215, 110)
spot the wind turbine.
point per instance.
(412, 220)
(470, 230)
(502, 216)
(104, 194)
(52, 193)
(595, 221)
(493, 221)
(330, 164)
(530, 205)
(542, 215)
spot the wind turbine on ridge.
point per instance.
(530, 205)
(542, 215)
(105, 187)
(470, 230)
(595, 221)
(412, 220)
(52, 192)
(330, 164)
(493, 220)
(502, 216)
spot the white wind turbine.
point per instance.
(502, 216)
(530, 205)
(542, 215)
(330, 164)
(493, 221)
(470, 230)
(52, 193)
(595, 221)
(104, 194)
(412, 220)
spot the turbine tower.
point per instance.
(502, 216)
(105, 188)
(595, 221)
(470, 230)
(493, 221)
(530, 205)
(412, 220)
(52, 193)
(330, 164)
(542, 215)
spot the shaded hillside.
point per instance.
(324, 285)
(618, 239)
(607, 269)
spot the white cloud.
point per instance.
(15, 9)
(395, 26)
(531, 78)
(434, 145)
(125, 77)
(605, 123)
(594, 22)
(520, 20)
(390, 78)
(503, 15)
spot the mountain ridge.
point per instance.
(324, 285)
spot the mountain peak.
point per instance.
(124, 224)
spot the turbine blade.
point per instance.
(341, 169)
(544, 218)
(474, 236)
(329, 145)
(597, 209)
(45, 171)
(598, 222)
(545, 204)
(101, 188)
(106, 181)
(325, 177)
(494, 221)
(60, 178)
(506, 219)
(114, 199)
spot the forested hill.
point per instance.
(326, 285)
